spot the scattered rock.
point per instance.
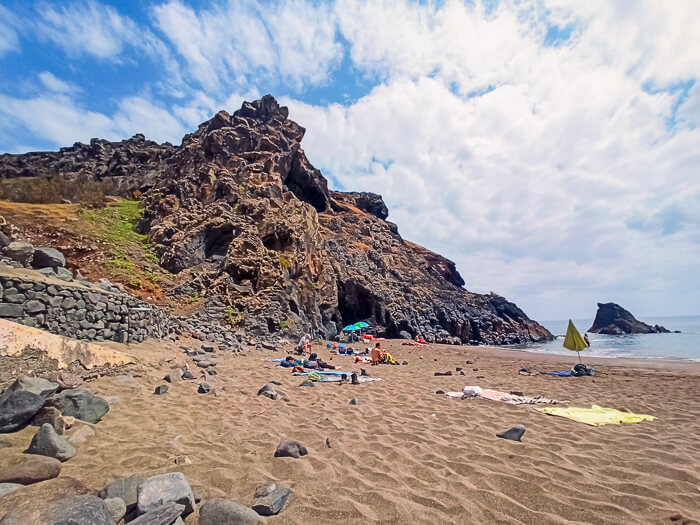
(440, 392)
(461, 372)
(448, 373)
(47, 442)
(53, 417)
(168, 514)
(355, 401)
(31, 471)
(516, 393)
(270, 498)
(48, 257)
(166, 488)
(117, 508)
(467, 362)
(125, 489)
(174, 376)
(81, 404)
(329, 443)
(290, 449)
(513, 433)
(81, 435)
(73, 510)
(209, 348)
(211, 371)
(405, 363)
(307, 382)
(24, 506)
(205, 364)
(19, 251)
(187, 375)
(204, 388)
(6, 488)
(271, 391)
(36, 385)
(221, 511)
(160, 390)
(18, 409)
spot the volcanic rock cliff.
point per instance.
(240, 213)
(244, 221)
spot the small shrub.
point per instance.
(234, 316)
(285, 263)
(135, 284)
(149, 257)
(194, 298)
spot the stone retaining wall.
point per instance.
(78, 311)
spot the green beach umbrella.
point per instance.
(573, 340)
(361, 324)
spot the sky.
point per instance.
(550, 148)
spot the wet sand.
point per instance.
(406, 454)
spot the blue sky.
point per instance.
(550, 147)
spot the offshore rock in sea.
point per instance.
(612, 319)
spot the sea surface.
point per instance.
(685, 345)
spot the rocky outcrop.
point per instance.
(133, 164)
(612, 319)
(241, 214)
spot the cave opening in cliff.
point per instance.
(277, 241)
(355, 303)
(217, 241)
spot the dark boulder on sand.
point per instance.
(612, 319)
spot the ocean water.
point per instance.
(685, 345)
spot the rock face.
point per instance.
(243, 218)
(612, 319)
(131, 164)
(241, 208)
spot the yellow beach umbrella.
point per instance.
(573, 340)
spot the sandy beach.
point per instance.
(406, 454)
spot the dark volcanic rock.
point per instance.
(241, 207)
(18, 409)
(612, 319)
(47, 442)
(290, 449)
(270, 498)
(36, 385)
(241, 216)
(48, 257)
(133, 164)
(81, 404)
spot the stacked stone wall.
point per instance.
(81, 312)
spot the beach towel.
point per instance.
(494, 395)
(561, 373)
(337, 379)
(596, 415)
(322, 372)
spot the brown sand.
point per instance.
(407, 455)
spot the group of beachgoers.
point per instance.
(307, 360)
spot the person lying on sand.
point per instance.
(290, 362)
(313, 358)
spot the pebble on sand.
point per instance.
(290, 449)
(219, 511)
(160, 390)
(270, 498)
(513, 433)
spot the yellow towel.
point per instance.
(596, 415)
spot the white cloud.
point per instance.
(55, 84)
(242, 44)
(563, 181)
(56, 118)
(8, 35)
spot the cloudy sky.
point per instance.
(550, 147)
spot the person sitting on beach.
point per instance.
(304, 345)
(378, 355)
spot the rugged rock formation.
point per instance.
(132, 164)
(612, 319)
(241, 214)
